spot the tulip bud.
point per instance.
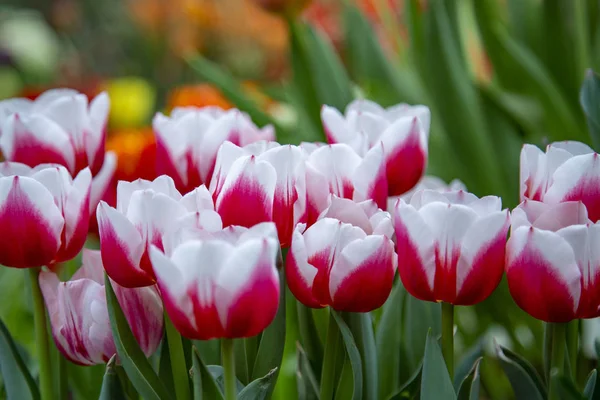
(59, 126)
(188, 141)
(403, 131)
(568, 171)
(345, 260)
(145, 211)
(261, 182)
(44, 212)
(553, 261)
(79, 313)
(450, 245)
(224, 286)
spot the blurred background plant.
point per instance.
(495, 73)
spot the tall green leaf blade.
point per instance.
(590, 384)
(419, 317)
(525, 382)
(469, 387)
(435, 380)
(165, 373)
(259, 389)
(389, 342)
(410, 390)
(18, 382)
(135, 363)
(309, 337)
(590, 102)
(111, 386)
(353, 354)
(205, 387)
(361, 326)
(567, 389)
(307, 379)
(465, 365)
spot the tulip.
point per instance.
(450, 245)
(337, 169)
(79, 313)
(427, 182)
(59, 127)
(43, 212)
(402, 129)
(261, 182)
(568, 171)
(226, 286)
(145, 211)
(345, 260)
(553, 261)
(188, 141)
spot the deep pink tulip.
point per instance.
(345, 260)
(58, 127)
(43, 212)
(337, 169)
(261, 182)
(145, 212)
(553, 261)
(568, 171)
(451, 245)
(188, 141)
(79, 314)
(222, 286)
(402, 129)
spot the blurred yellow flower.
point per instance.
(132, 102)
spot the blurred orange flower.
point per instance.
(200, 95)
(136, 153)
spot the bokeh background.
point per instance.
(495, 73)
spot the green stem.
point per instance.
(557, 363)
(448, 336)
(573, 346)
(330, 361)
(228, 360)
(178, 367)
(41, 336)
(63, 380)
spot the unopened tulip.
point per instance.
(59, 127)
(427, 182)
(553, 261)
(79, 313)
(44, 214)
(261, 182)
(145, 211)
(188, 141)
(226, 286)
(450, 245)
(345, 260)
(568, 171)
(337, 169)
(402, 129)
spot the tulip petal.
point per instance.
(336, 128)
(481, 263)
(543, 277)
(247, 295)
(370, 180)
(361, 279)
(102, 180)
(36, 140)
(95, 138)
(246, 197)
(122, 248)
(32, 220)
(300, 274)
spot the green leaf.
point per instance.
(435, 380)
(309, 337)
(525, 381)
(590, 384)
(361, 326)
(205, 387)
(389, 342)
(135, 363)
(420, 317)
(241, 361)
(18, 382)
(590, 102)
(272, 340)
(209, 350)
(353, 354)
(566, 388)
(466, 364)
(307, 380)
(165, 373)
(111, 386)
(218, 374)
(411, 388)
(344, 387)
(469, 388)
(259, 389)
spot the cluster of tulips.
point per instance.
(203, 242)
